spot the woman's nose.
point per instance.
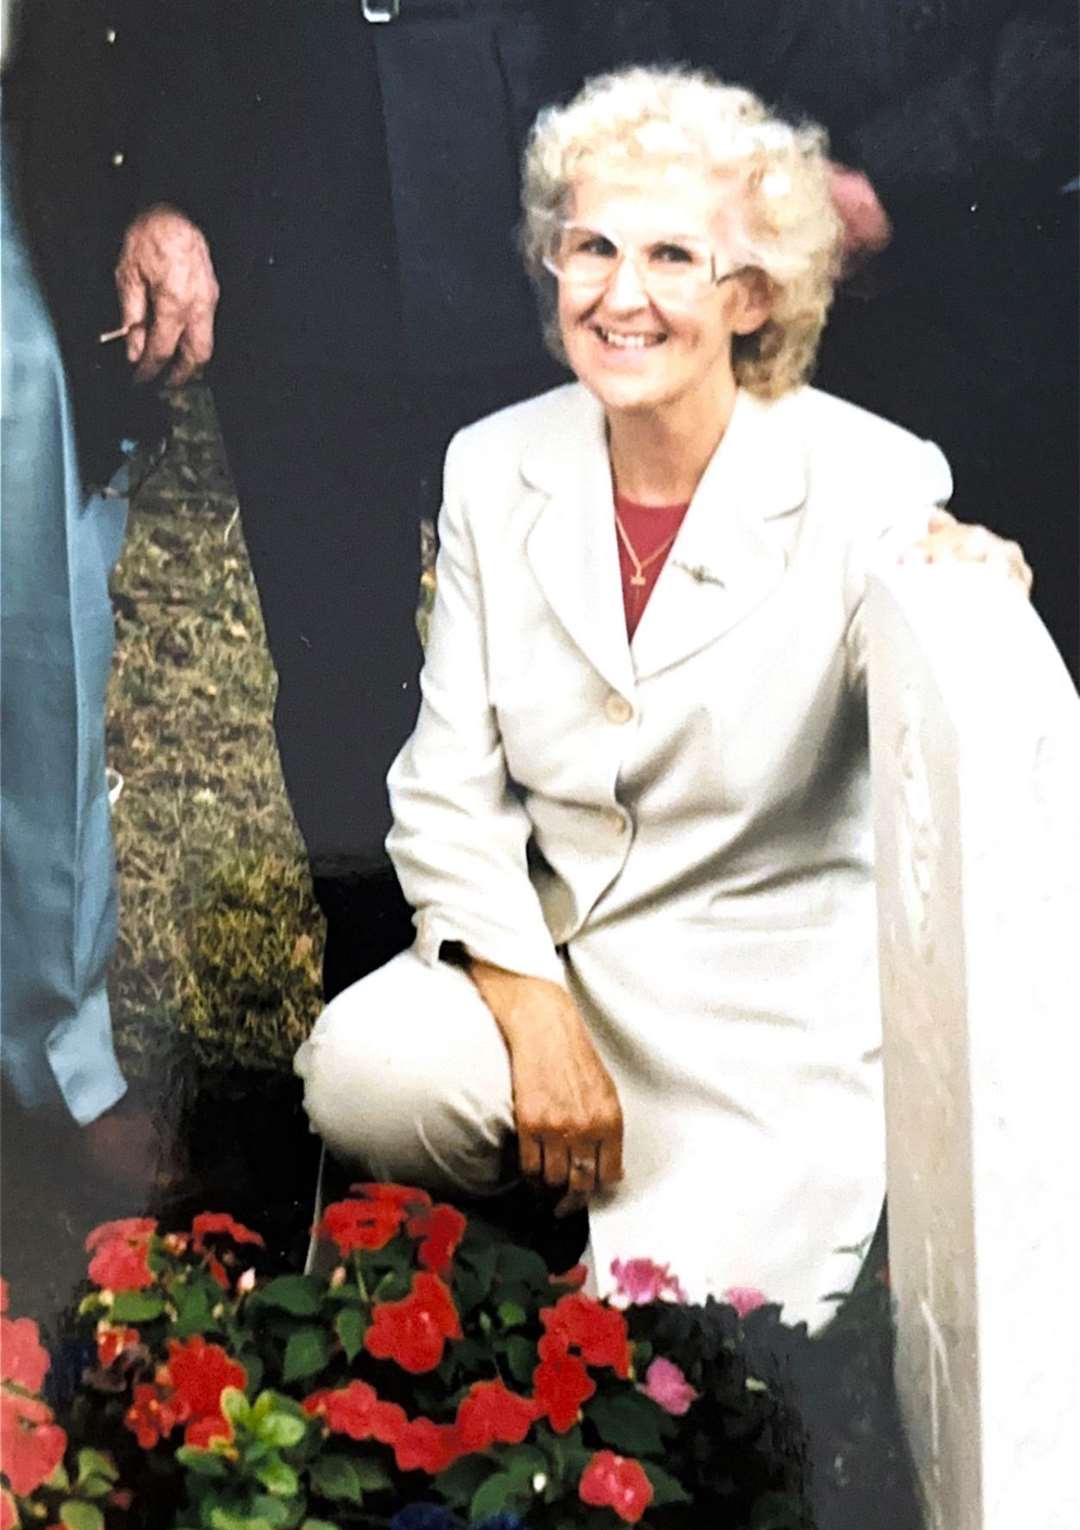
(626, 290)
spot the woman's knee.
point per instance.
(406, 1077)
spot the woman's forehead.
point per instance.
(674, 198)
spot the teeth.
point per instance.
(628, 342)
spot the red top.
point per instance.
(650, 530)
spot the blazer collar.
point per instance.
(724, 561)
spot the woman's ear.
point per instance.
(751, 302)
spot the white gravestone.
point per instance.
(975, 746)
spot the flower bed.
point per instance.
(439, 1376)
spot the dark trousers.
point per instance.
(333, 482)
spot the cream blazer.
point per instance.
(677, 828)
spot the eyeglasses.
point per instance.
(679, 269)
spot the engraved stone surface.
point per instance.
(975, 744)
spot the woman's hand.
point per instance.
(569, 1121)
(949, 540)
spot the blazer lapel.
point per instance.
(724, 561)
(571, 546)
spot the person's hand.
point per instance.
(867, 229)
(566, 1108)
(168, 294)
(948, 540)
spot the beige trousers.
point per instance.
(407, 1078)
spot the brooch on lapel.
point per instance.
(699, 573)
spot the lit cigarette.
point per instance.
(119, 334)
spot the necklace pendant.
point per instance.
(637, 579)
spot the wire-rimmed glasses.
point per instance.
(671, 268)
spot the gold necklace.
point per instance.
(641, 564)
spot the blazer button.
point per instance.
(618, 821)
(618, 709)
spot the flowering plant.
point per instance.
(438, 1377)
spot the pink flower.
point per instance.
(667, 1386)
(745, 1299)
(640, 1281)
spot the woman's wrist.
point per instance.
(514, 997)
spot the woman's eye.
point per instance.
(596, 244)
(672, 254)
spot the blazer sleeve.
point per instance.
(902, 520)
(460, 832)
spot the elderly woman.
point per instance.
(633, 818)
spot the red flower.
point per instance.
(31, 1444)
(560, 1385)
(219, 1224)
(360, 1224)
(492, 1414)
(413, 1331)
(581, 1323)
(393, 1195)
(441, 1228)
(120, 1250)
(200, 1372)
(218, 1271)
(114, 1342)
(614, 1482)
(426, 1447)
(203, 1432)
(154, 1414)
(22, 1358)
(355, 1410)
(132, 1229)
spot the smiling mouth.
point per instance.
(627, 342)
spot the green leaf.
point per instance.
(350, 1325)
(235, 1406)
(279, 1513)
(628, 1422)
(224, 1519)
(459, 1482)
(81, 1516)
(306, 1353)
(193, 1311)
(95, 1486)
(92, 1463)
(567, 1452)
(493, 1495)
(511, 1314)
(666, 1489)
(58, 1478)
(521, 1264)
(204, 1463)
(372, 1474)
(281, 1430)
(522, 1462)
(277, 1477)
(521, 1357)
(336, 1477)
(299, 1295)
(136, 1307)
(318, 1524)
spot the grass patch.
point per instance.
(220, 940)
